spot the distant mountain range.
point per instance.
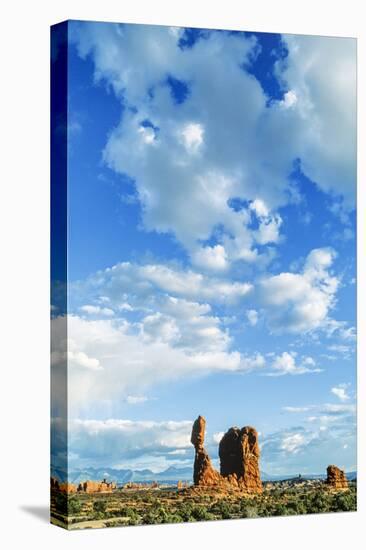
(170, 475)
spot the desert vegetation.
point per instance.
(157, 506)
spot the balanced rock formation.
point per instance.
(239, 459)
(203, 471)
(336, 478)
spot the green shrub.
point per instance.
(100, 506)
(74, 506)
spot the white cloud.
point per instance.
(252, 316)
(326, 101)
(109, 360)
(269, 223)
(253, 362)
(289, 99)
(110, 440)
(302, 448)
(125, 307)
(260, 208)
(147, 134)
(213, 144)
(293, 443)
(333, 409)
(81, 359)
(341, 392)
(211, 257)
(216, 437)
(75, 359)
(285, 446)
(186, 325)
(300, 302)
(97, 310)
(127, 280)
(136, 399)
(342, 349)
(296, 409)
(286, 364)
(325, 410)
(192, 136)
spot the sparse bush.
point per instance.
(344, 502)
(223, 509)
(74, 506)
(250, 512)
(200, 513)
(61, 503)
(100, 506)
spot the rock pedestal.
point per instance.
(203, 471)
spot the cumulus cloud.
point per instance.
(327, 102)
(127, 279)
(302, 448)
(252, 316)
(193, 329)
(327, 417)
(300, 302)
(192, 136)
(286, 444)
(286, 364)
(212, 145)
(211, 257)
(74, 359)
(111, 359)
(340, 391)
(252, 362)
(97, 310)
(112, 440)
(293, 443)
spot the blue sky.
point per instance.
(211, 254)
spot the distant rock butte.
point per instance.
(336, 478)
(96, 486)
(68, 488)
(239, 459)
(84, 487)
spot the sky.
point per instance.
(211, 246)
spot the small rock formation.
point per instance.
(203, 472)
(96, 486)
(336, 478)
(67, 487)
(239, 459)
